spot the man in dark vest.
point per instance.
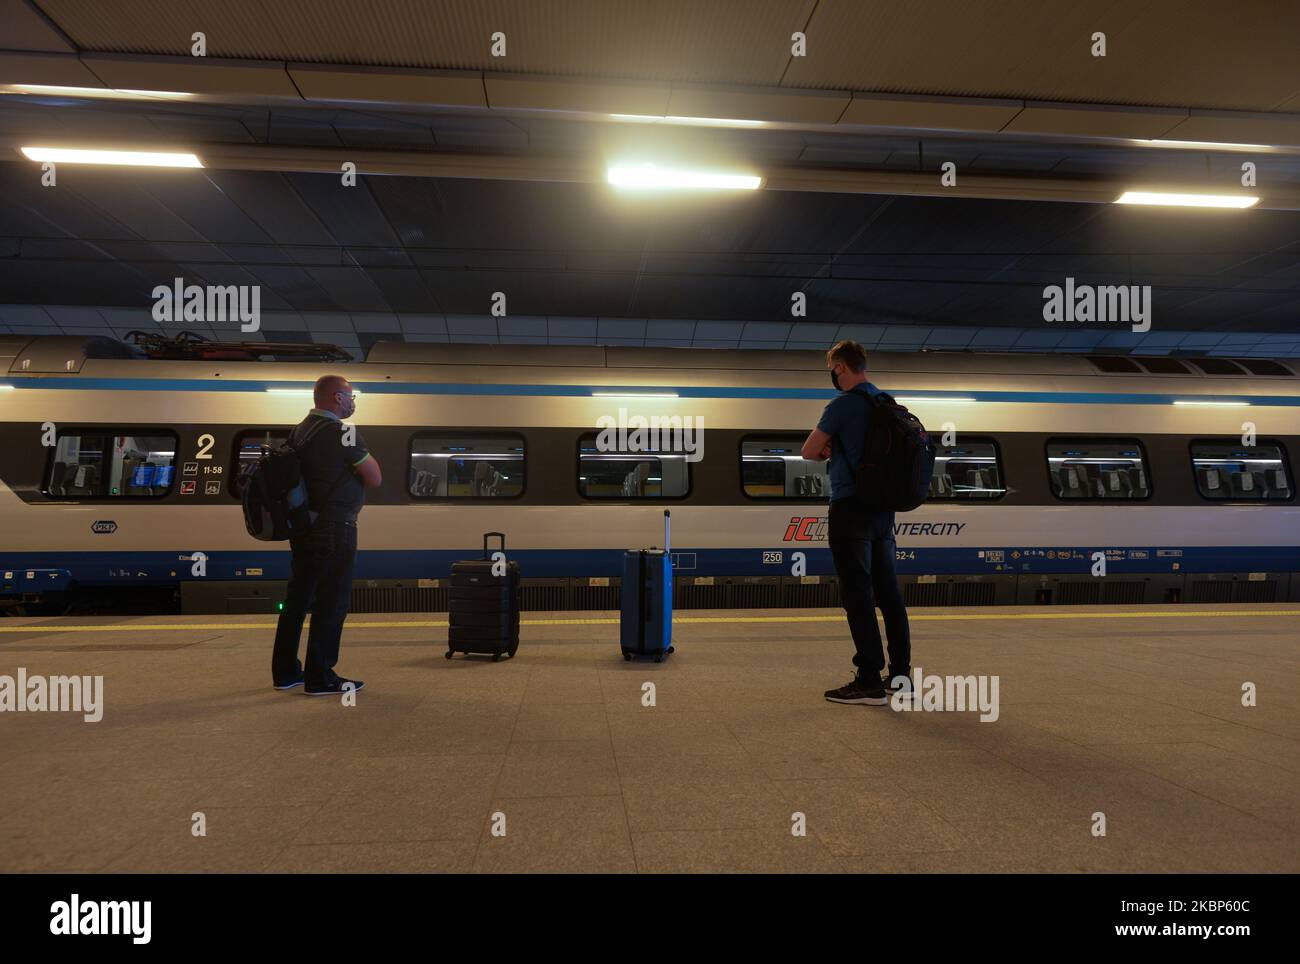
(338, 470)
(861, 539)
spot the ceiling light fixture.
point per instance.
(687, 121)
(1202, 145)
(651, 177)
(1217, 404)
(1187, 200)
(70, 155)
(103, 92)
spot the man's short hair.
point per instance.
(326, 386)
(849, 352)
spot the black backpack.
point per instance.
(897, 457)
(275, 493)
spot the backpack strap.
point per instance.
(308, 436)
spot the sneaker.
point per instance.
(288, 685)
(333, 687)
(895, 681)
(858, 692)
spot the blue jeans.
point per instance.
(321, 581)
(862, 546)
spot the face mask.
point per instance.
(351, 405)
(835, 379)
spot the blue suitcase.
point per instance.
(646, 624)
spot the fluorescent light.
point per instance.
(298, 391)
(651, 177)
(6, 388)
(919, 398)
(107, 92)
(635, 394)
(1202, 145)
(1188, 200)
(515, 456)
(62, 155)
(1193, 401)
(687, 121)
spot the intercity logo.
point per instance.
(806, 528)
(1130, 304)
(658, 435)
(112, 917)
(957, 694)
(812, 528)
(183, 302)
(55, 694)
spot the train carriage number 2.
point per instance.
(205, 447)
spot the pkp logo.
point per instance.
(104, 527)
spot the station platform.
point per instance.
(1135, 713)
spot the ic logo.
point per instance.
(105, 527)
(808, 528)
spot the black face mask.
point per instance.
(835, 380)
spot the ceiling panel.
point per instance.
(669, 40)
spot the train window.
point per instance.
(651, 474)
(1101, 469)
(772, 468)
(1263, 366)
(92, 464)
(248, 449)
(1228, 470)
(1216, 366)
(1115, 364)
(1163, 366)
(967, 470)
(458, 465)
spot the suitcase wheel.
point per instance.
(672, 649)
(627, 657)
(447, 655)
(496, 657)
(659, 659)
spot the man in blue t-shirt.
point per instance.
(338, 469)
(861, 539)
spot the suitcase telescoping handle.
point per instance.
(499, 535)
(665, 530)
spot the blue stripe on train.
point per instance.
(53, 570)
(64, 382)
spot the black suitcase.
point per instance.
(483, 609)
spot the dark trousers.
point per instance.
(321, 581)
(862, 546)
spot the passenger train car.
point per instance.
(117, 471)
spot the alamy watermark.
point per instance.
(75, 917)
(182, 302)
(53, 694)
(682, 434)
(1130, 304)
(955, 694)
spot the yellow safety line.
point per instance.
(677, 620)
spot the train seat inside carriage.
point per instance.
(487, 480)
(425, 483)
(1110, 482)
(1242, 483)
(634, 483)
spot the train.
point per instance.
(1059, 479)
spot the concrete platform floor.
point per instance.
(1139, 717)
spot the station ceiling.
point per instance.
(483, 174)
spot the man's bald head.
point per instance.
(324, 393)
